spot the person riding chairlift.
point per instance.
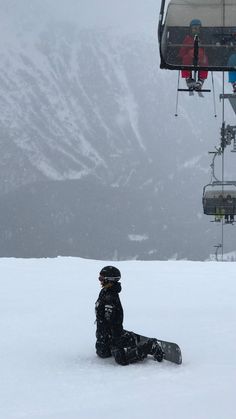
(186, 52)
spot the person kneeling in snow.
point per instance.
(126, 347)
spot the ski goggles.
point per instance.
(108, 278)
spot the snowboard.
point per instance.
(171, 351)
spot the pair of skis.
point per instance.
(192, 91)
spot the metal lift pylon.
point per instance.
(229, 132)
(231, 98)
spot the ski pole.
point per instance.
(214, 97)
(177, 96)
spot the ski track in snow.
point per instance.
(49, 369)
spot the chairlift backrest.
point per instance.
(219, 194)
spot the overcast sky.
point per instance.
(131, 15)
(124, 15)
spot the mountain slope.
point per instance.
(87, 109)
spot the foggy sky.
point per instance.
(124, 16)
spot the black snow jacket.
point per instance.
(109, 318)
(112, 339)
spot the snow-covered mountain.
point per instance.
(94, 163)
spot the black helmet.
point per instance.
(109, 274)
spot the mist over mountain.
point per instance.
(94, 163)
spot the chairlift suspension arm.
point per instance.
(196, 51)
(213, 176)
(161, 15)
(223, 17)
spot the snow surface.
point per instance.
(48, 364)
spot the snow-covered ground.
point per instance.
(48, 365)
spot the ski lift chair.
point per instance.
(217, 37)
(219, 199)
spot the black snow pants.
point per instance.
(129, 347)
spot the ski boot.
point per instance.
(190, 83)
(199, 84)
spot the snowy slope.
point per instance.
(48, 366)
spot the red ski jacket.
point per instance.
(187, 53)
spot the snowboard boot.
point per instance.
(234, 87)
(157, 352)
(153, 348)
